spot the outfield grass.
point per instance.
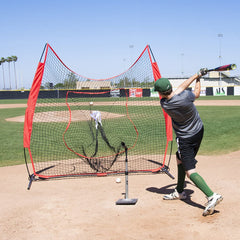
(17, 101)
(222, 127)
(13, 101)
(11, 138)
(219, 98)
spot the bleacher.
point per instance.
(210, 81)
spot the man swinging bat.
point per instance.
(188, 127)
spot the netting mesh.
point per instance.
(80, 124)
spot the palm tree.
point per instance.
(9, 59)
(2, 60)
(14, 59)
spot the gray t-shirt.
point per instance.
(186, 121)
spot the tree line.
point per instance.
(9, 60)
(71, 83)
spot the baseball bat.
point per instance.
(224, 68)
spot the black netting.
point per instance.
(66, 140)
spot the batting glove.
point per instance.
(202, 72)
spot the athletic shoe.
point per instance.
(175, 195)
(213, 201)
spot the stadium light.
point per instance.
(220, 36)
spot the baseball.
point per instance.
(118, 180)
(91, 103)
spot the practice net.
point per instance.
(78, 126)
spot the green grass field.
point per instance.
(14, 101)
(222, 127)
(219, 98)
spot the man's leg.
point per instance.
(178, 192)
(181, 175)
(199, 182)
(213, 198)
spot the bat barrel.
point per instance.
(224, 68)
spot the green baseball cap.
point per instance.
(162, 85)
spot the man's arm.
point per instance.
(188, 82)
(197, 88)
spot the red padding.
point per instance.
(168, 120)
(32, 99)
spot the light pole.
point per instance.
(131, 46)
(182, 69)
(220, 36)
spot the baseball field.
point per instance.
(84, 208)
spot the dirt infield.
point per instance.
(85, 209)
(59, 116)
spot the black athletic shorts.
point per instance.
(188, 148)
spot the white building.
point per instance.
(93, 84)
(211, 80)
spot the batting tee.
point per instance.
(77, 126)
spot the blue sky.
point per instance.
(93, 37)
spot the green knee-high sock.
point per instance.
(181, 178)
(201, 184)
